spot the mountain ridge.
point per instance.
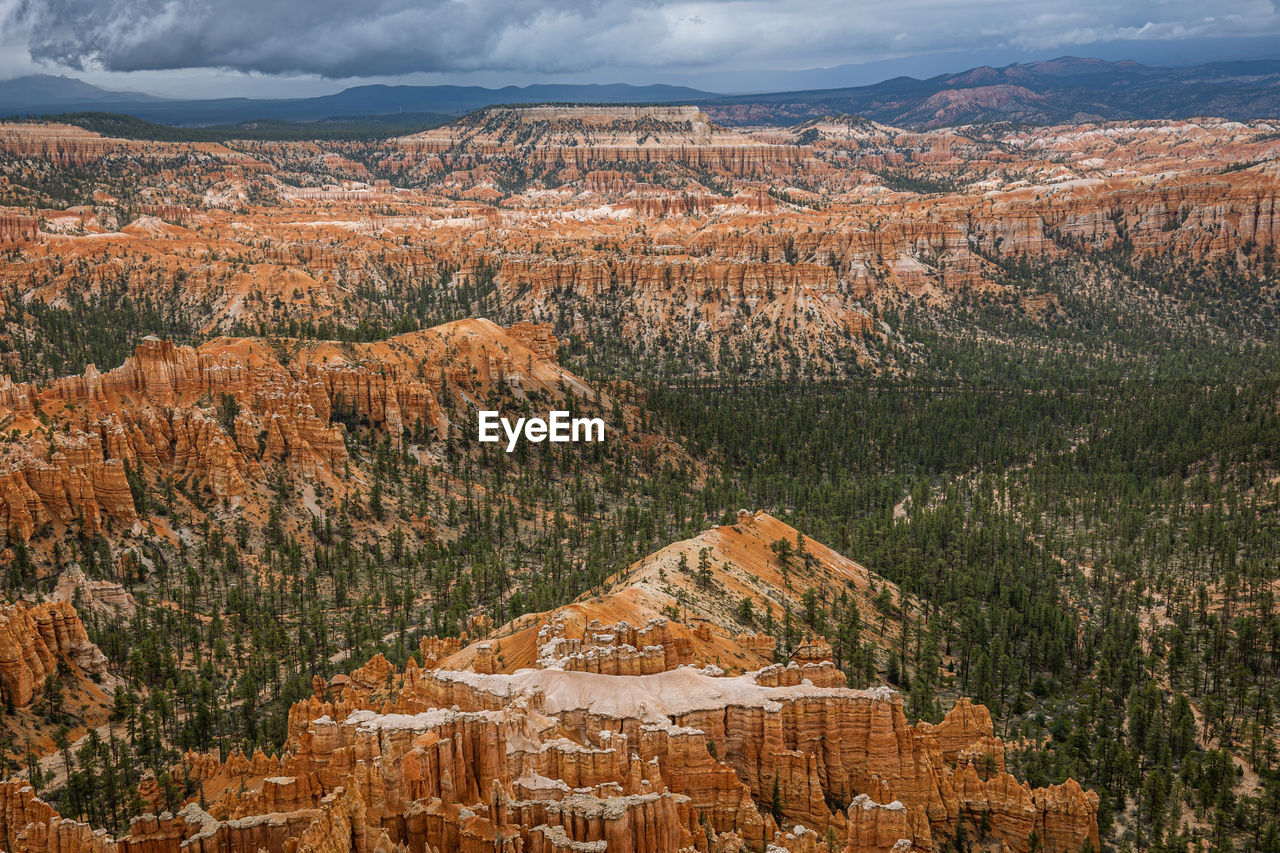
(40, 90)
(1056, 90)
(375, 99)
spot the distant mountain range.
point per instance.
(1059, 90)
(49, 94)
(43, 92)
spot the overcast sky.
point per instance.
(198, 48)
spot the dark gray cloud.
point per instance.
(337, 39)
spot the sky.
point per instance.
(273, 48)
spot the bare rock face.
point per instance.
(374, 674)
(436, 649)
(25, 660)
(20, 808)
(17, 229)
(965, 736)
(619, 649)
(559, 760)
(99, 596)
(33, 638)
(880, 828)
(60, 143)
(588, 137)
(63, 633)
(70, 481)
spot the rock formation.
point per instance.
(883, 827)
(164, 412)
(16, 229)
(588, 138)
(68, 145)
(608, 723)
(614, 650)
(32, 641)
(724, 238)
(558, 760)
(576, 637)
(96, 596)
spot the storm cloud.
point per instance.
(343, 39)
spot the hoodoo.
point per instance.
(680, 759)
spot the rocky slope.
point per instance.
(231, 469)
(16, 229)
(643, 717)
(687, 600)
